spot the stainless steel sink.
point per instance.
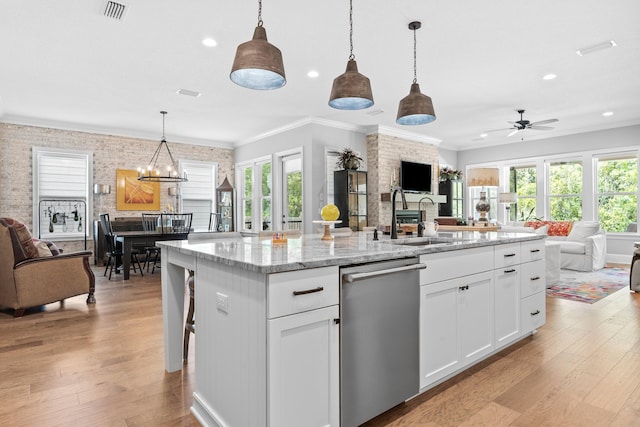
(422, 241)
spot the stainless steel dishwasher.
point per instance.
(379, 341)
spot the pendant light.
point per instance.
(416, 108)
(152, 173)
(258, 64)
(351, 90)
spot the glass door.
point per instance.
(292, 192)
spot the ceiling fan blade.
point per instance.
(496, 130)
(541, 127)
(513, 132)
(544, 122)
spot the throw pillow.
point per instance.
(53, 248)
(556, 228)
(581, 230)
(24, 237)
(42, 248)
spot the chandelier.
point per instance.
(153, 173)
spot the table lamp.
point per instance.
(508, 199)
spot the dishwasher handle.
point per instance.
(353, 277)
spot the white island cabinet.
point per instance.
(268, 327)
(474, 302)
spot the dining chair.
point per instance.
(152, 252)
(113, 252)
(175, 223)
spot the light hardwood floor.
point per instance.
(104, 366)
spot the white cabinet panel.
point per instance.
(448, 265)
(533, 312)
(532, 250)
(475, 302)
(302, 290)
(507, 255)
(304, 369)
(533, 278)
(507, 305)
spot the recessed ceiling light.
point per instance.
(596, 47)
(549, 76)
(483, 135)
(188, 92)
(313, 74)
(607, 113)
(209, 42)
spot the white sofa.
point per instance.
(584, 249)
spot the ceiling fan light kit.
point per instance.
(351, 90)
(415, 108)
(258, 64)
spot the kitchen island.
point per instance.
(268, 315)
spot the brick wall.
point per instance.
(384, 154)
(109, 153)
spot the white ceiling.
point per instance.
(63, 64)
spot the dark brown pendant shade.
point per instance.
(415, 108)
(258, 64)
(351, 90)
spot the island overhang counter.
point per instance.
(266, 356)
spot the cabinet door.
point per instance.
(475, 304)
(304, 369)
(507, 305)
(438, 331)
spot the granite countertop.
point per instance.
(308, 251)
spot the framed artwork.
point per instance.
(134, 195)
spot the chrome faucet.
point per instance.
(394, 226)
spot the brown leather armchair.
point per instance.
(33, 281)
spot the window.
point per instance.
(456, 199)
(330, 165)
(522, 180)
(199, 193)
(255, 189)
(617, 192)
(565, 190)
(292, 192)
(61, 175)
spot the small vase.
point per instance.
(352, 164)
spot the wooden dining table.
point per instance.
(130, 238)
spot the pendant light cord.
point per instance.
(260, 13)
(164, 113)
(351, 55)
(415, 67)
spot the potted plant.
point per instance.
(449, 174)
(349, 159)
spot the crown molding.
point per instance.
(400, 133)
(123, 132)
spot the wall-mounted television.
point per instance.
(415, 177)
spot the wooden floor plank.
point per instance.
(103, 365)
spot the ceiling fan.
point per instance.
(523, 124)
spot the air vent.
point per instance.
(114, 10)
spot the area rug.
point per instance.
(589, 287)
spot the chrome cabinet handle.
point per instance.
(308, 291)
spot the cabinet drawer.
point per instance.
(533, 278)
(533, 312)
(507, 255)
(532, 250)
(448, 265)
(301, 290)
